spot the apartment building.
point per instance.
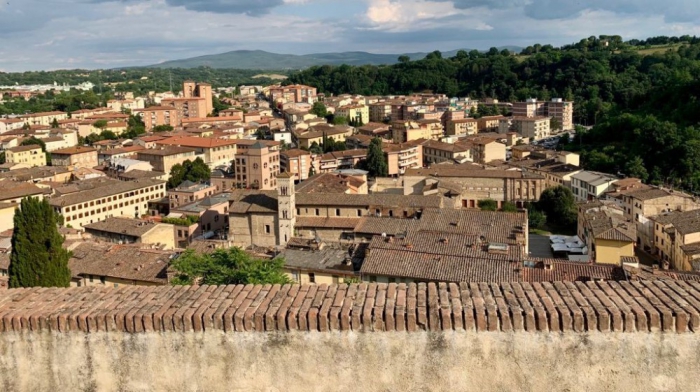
(293, 93)
(489, 123)
(557, 167)
(316, 134)
(154, 116)
(120, 230)
(202, 93)
(112, 154)
(44, 118)
(642, 204)
(676, 239)
(560, 110)
(438, 152)
(163, 159)
(356, 113)
(211, 215)
(214, 152)
(107, 199)
(79, 156)
(487, 149)
(189, 192)
(30, 156)
(461, 127)
(589, 185)
(406, 131)
(340, 160)
(403, 156)
(379, 111)
(187, 107)
(256, 166)
(534, 128)
(608, 235)
(374, 129)
(297, 163)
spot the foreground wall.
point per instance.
(348, 361)
(367, 337)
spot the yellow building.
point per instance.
(357, 113)
(120, 230)
(29, 155)
(7, 214)
(44, 118)
(463, 126)
(677, 239)
(106, 199)
(607, 234)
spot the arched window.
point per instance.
(255, 166)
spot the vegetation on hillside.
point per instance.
(38, 258)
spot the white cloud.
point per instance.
(401, 16)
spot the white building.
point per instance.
(589, 185)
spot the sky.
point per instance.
(68, 34)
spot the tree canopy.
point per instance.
(559, 206)
(194, 171)
(376, 163)
(227, 266)
(487, 205)
(38, 257)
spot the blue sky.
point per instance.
(55, 34)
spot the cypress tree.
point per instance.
(376, 161)
(38, 257)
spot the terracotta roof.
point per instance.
(166, 151)
(73, 150)
(13, 190)
(375, 199)
(249, 201)
(468, 171)
(295, 152)
(25, 148)
(328, 223)
(607, 225)
(650, 194)
(123, 150)
(127, 226)
(196, 142)
(128, 262)
(110, 188)
(326, 183)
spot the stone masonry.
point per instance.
(646, 306)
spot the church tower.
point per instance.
(286, 208)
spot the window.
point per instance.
(318, 212)
(102, 279)
(337, 212)
(372, 279)
(91, 278)
(359, 212)
(312, 277)
(267, 229)
(216, 218)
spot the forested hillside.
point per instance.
(643, 98)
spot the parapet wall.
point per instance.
(602, 336)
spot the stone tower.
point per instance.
(286, 208)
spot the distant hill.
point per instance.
(260, 59)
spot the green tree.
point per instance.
(340, 120)
(2, 157)
(376, 161)
(34, 141)
(404, 59)
(319, 109)
(559, 205)
(163, 128)
(38, 257)
(508, 206)
(195, 171)
(260, 134)
(315, 148)
(635, 168)
(100, 124)
(555, 124)
(108, 135)
(312, 171)
(536, 218)
(487, 205)
(227, 266)
(54, 123)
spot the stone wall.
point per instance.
(601, 336)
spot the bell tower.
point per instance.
(286, 208)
